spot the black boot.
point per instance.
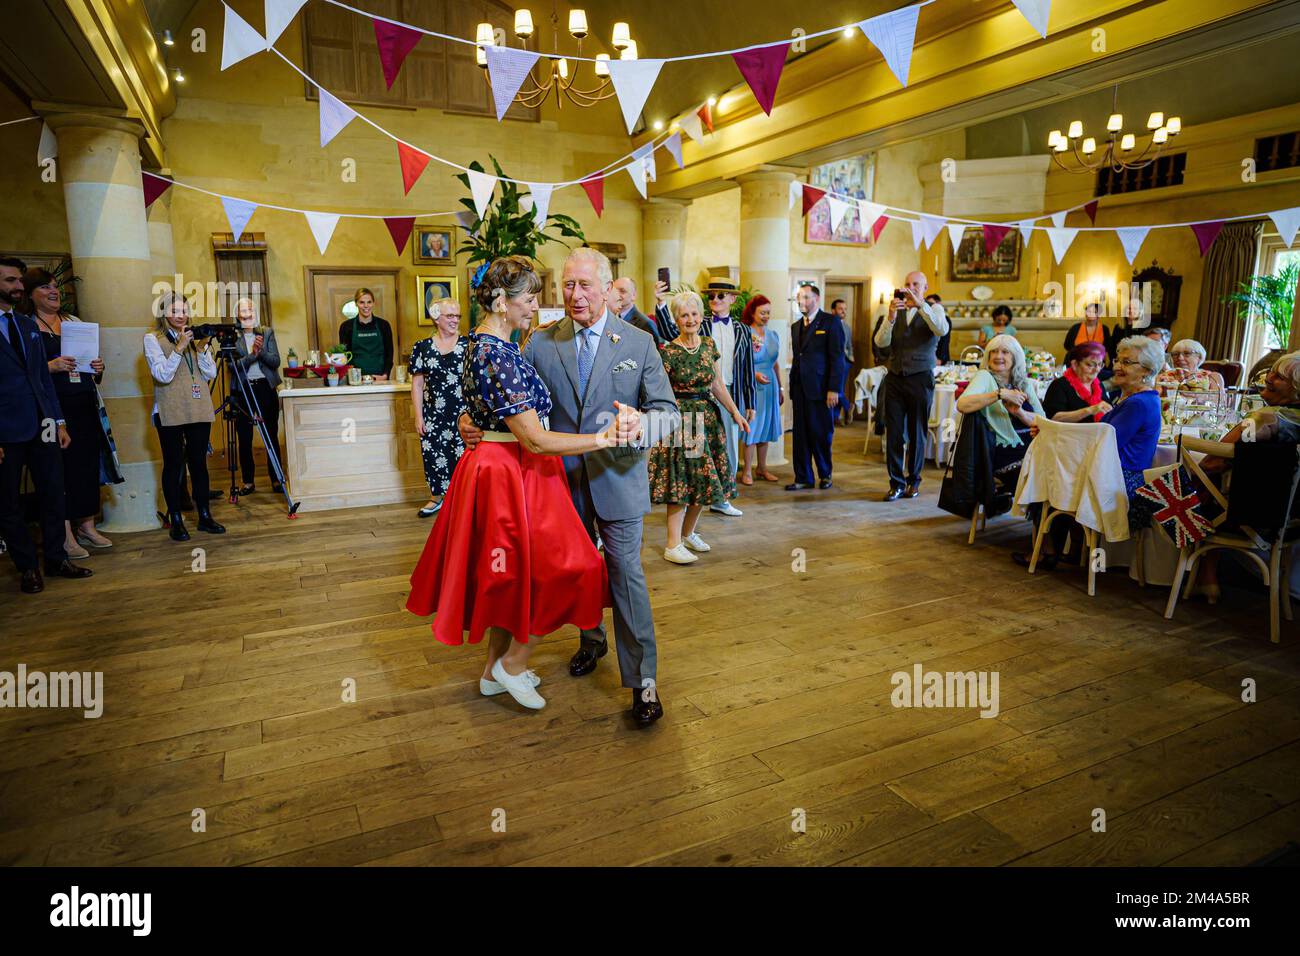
(176, 526)
(207, 524)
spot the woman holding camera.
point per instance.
(260, 359)
(182, 411)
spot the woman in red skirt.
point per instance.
(508, 555)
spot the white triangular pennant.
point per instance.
(540, 199)
(838, 208)
(868, 213)
(694, 126)
(507, 67)
(279, 14)
(334, 115)
(674, 146)
(239, 40)
(633, 81)
(481, 186)
(238, 212)
(636, 169)
(322, 228)
(796, 192)
(1061, 239)
(955, 231)
(918, 233)
(894, 34)
(1036, 12)
(1131, 238)
(48, 148)
(646, 154)
(1026, 227)
(931, 226)
(1287, 222)
(1058, 219)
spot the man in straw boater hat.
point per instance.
(736, 346)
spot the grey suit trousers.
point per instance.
(634, 626)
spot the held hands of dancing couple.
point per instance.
(624, 430)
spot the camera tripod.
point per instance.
(230, 369)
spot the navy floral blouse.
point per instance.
(498, 382)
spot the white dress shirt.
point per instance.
(933, 315)
(163, 368)
(598, 328)
(724, 337)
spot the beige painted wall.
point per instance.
(34, 218)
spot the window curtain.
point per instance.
(1230, 261)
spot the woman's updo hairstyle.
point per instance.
(511, 276)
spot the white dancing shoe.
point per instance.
(695, 542)
(518, 686)
(490, 688)
(728, 509)
(679, 555)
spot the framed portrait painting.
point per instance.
(970, 261)
(434, 245)
(853, 178)
(429, 290)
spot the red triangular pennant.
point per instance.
(1206, 233)
(413, 162)
(705, 113)
(761, 69)
(595, 188)
(154, 186)
(1091, 209)
(394, 43)
(877, 227)
(399, 227)
(811, 197)
(993, 236)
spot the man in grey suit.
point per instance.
(622, 302)
(589, 360)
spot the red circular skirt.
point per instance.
(508, 550)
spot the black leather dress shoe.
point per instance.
(207, 524)
(32, 582)
(584, 661)
(824, 484)
(893, 495)
(912, 491)
(645, 712)
(176, 527)
(66, 569)
(798, 486)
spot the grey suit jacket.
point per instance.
(268, 358)
(629, 371)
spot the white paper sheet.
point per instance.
(80, 340)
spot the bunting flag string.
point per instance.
(413, 163)
(838, 208)
(481, 186)
(1131, 239)
(894, 35)
(705, 116)
(595, 188)
(956, 230)
(1037, 12)
(694, 126)
(878, 227)
(154, 186)
(322, 225)
(1287, 222)
(633, 80)
(674, 146)
(238, 212)
(1061, 238)
(1206, 233)
(395, 42)
(507, 69)
(993, 236)
(399, 227)
(239, 39)
(279, 14)
(334, 116)
(48, 146)
(931, 226)
(539, 197)
(761, 69)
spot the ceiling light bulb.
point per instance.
(622, 35)
(848, 33)
(484, 35)
(523, 24)
(1115, 123)
(578, 23)
(629, 52)
(1160, 136)
(1128, 142)
(1089, 146)
(1175, 125)
(167, 38)
(1155, 120)
(1075, 130)
(178, 76)
(602, 64)
(564, 68)
(658, 125)
(1052, 138)
(712, 101)
(1062, 145)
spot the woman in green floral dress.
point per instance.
(689, 471)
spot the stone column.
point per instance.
(663, 236)
(99, 166)
(765, 260)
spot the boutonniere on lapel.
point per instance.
(613, 337)
(627, 365)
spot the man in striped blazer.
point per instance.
(736, 345)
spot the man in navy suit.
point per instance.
(32, 435)
(816, 377)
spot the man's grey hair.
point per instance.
(603, 269)
(1149, 354)
(629, 280)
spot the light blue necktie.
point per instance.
(585, 357)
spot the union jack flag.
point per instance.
(1173, 501)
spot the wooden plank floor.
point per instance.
(223, 693)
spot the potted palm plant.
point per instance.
(1272, 298)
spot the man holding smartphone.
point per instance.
(911, 331)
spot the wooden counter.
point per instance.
(351, 445)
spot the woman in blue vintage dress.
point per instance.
(769, 395)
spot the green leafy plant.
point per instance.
(507, 229)
(1272, 298)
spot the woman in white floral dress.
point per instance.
(436, 364)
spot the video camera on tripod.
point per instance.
(226, 335)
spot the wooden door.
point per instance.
(328, 290)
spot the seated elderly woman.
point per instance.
(1077, 396)
(1185, 369)
(1135, 415)
(1002, 393)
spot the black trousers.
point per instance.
(268, 406)
(908, 400)
(814, 428)
(44, 460)
(184, 446)
(81, 459)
